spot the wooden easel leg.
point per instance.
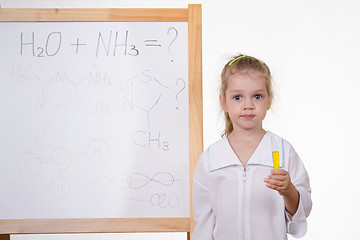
(4, 236)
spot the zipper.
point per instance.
(243, 205)
(244, 174)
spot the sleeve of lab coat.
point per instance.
(297, 224)
(203, 213)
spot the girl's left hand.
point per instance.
(280, 181)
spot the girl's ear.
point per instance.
(269, 106)
(223, 103)
(269, 103)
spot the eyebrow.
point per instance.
(260, 91)
(256, 91)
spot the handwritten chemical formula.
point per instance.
(111, 43)
(96, 117)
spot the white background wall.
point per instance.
(312, 48)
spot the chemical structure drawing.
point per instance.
(60, 90)
(30, 164)
(99, 93)
(136, 181)
(146, 83)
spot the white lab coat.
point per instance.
(232, 202)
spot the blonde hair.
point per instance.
(237, 65)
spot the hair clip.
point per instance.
(244, 56)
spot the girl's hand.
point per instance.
(280, 181)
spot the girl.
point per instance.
(237, 192)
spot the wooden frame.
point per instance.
(192, 15)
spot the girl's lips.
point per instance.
(248, 116)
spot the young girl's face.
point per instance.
(246, 100)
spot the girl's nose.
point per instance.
(249, 105)
(249, 108)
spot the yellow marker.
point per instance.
(276, 160)
(275, 148)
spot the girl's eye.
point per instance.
(257, 97)
(237, 98)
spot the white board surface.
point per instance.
(94, 120)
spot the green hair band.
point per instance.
(243, 56)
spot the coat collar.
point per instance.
(221, 154)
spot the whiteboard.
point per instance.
(94, 120)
